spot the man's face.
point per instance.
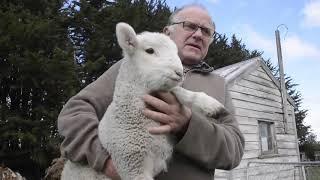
(192, 45)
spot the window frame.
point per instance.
(271, 136)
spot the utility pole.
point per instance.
(282, 82)
(284, 98)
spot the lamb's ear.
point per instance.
(127, 37)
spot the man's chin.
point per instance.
(191, 58)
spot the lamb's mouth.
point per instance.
(178, 79)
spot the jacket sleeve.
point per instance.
(78, 121)
(213, 143)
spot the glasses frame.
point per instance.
(202, 28)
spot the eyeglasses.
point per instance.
(193, 27)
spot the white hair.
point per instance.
(173, 17)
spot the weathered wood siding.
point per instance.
(256, 97)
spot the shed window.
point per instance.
(267, 140)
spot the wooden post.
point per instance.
(284, 98)
(282, 83)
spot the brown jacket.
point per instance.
(204, 147)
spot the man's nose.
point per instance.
(198, 33)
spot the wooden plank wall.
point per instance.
(256, 97)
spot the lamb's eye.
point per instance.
(150, 51)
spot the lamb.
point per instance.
(151, 63)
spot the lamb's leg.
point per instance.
(143, 177)
(148, 170)
(134, 162)
(153, 165)
(199, 101)
(77, 171)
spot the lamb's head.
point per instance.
(154, 55)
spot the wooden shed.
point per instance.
(269, 136)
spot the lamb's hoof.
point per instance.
(209, 107)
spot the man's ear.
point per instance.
(211, 40)
(166, 30)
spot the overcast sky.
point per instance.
(255, 21)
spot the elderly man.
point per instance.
(202, 145)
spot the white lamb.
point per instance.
(150, 63)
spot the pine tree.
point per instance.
(93, 30)
(222, 54)
(37, 77)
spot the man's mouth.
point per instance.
(195, 46)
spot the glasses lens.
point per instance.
(189, 26)
(192, 27)
(206, 31)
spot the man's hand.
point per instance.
(110, 171)
(173, 116)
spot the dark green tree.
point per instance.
(222, 53)
(310, 145)
(300, 114)
(92, 26)
(37, 76)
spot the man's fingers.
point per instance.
(157, 116)
(110, 170)
(164, 129)
(167, 97)
(158, 104)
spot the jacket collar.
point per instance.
(201, 67)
